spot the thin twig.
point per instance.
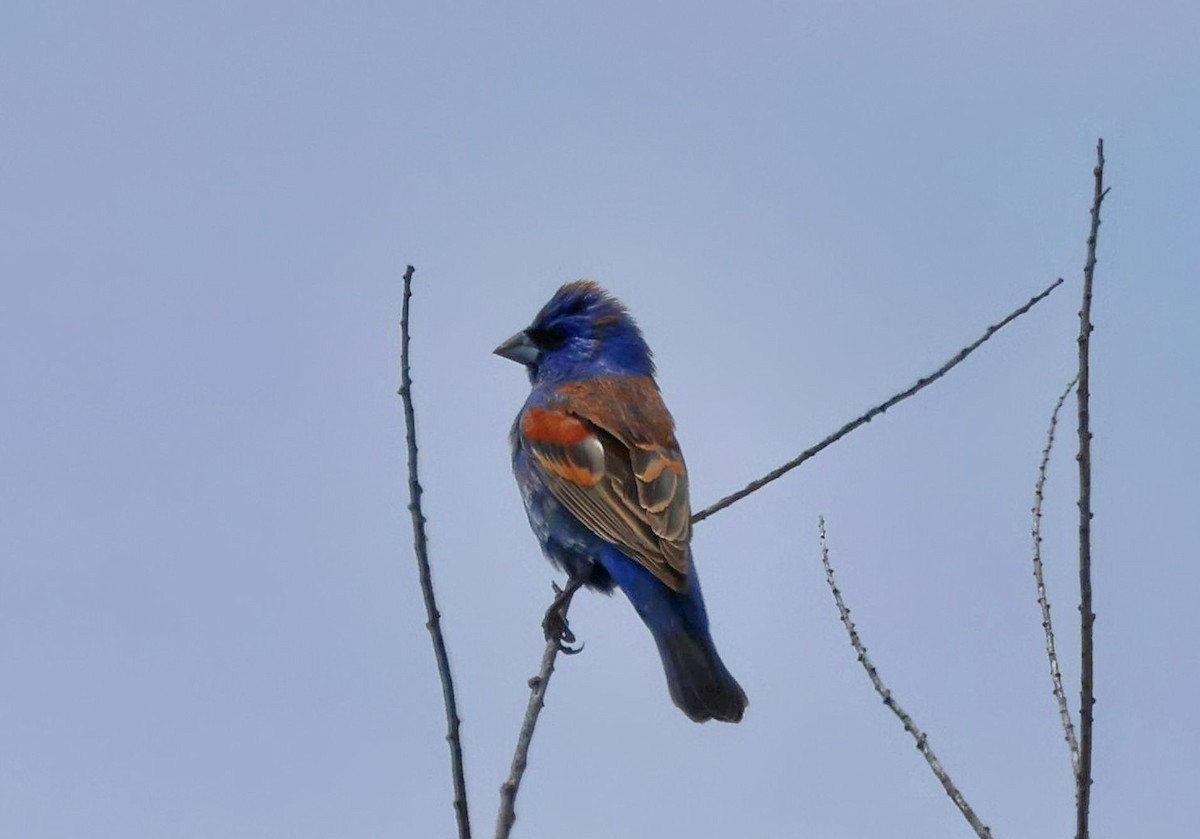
(1064, 713)
(922, 740)
(920, 384)
(537, 700)
(1087, 618)
(420, 548)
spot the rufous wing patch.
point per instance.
(540, 425)
(564, 446)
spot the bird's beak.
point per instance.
(518, 348)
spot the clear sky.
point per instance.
(209, 617)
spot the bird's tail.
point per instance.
(699, 683)
(696, 676)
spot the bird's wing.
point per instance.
(607, 450)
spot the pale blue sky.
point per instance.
(209, 618)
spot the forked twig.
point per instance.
(920, 384)
(1087, 618)
(1064, 712)
(420, 548)
(922, 740)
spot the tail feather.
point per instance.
(699, 683)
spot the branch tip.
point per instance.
(1087, 618)
(920, 738)
(421, 549)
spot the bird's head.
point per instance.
(582, 331)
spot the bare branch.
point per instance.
(922, 740)
(420, 548)
(537, 700)
(920, 384)
(1087, 618)
(1064, 712)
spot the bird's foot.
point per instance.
(555, 625)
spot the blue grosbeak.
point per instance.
(605, 486)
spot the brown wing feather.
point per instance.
(608, 452)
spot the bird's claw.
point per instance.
(555, 625)
(556, 628)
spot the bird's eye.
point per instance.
(548, 338)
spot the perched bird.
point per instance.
(605, 486)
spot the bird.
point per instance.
(605, 486)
